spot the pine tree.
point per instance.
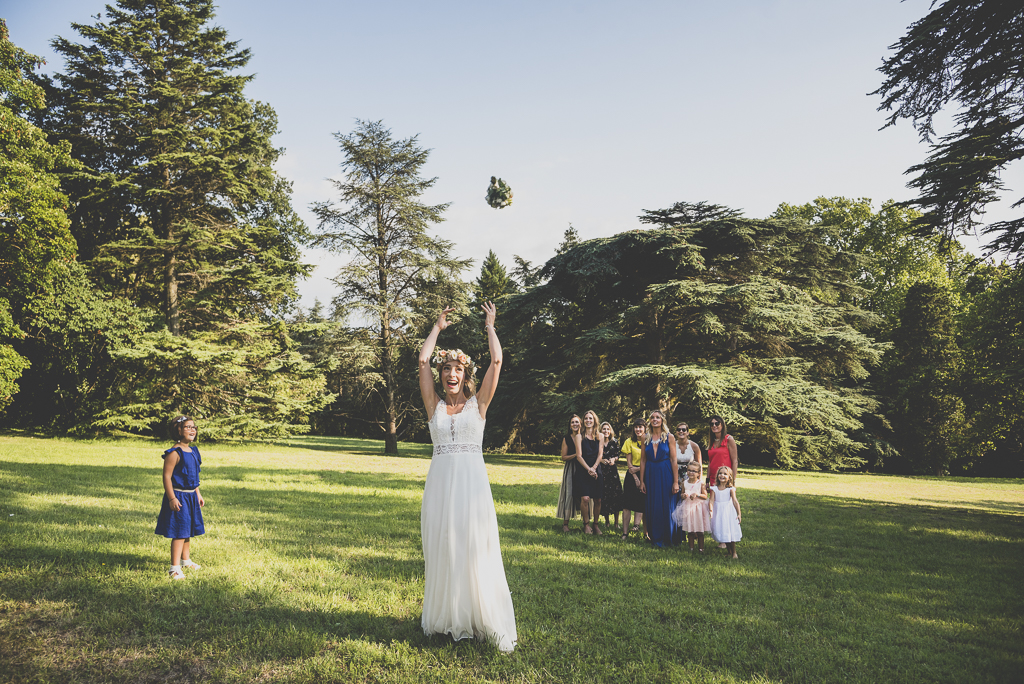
(177, 206)
(400, 276)
(177, 209)
(494, 281)
(965, 57)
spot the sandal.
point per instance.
(635, 528)
(625, 537)
(191, 565)
(176, 574)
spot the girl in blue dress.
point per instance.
(181, 514)
(659, 480)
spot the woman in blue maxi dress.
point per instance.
(659, 481)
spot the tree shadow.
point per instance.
(824, 584)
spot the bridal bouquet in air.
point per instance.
(499, 195)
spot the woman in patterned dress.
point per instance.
(611, 501)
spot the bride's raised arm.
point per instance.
(490, 381)
(427, 390)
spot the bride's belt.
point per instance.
(457, 448)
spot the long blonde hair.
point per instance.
(650, 431)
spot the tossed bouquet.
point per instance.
(499, 195)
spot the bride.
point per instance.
(465, 594)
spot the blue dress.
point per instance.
(188, 522)
(660, 499)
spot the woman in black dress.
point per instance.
(611, 499)
(632, 498)
(587, 483)
(568, 503)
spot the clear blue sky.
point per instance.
(592, 111)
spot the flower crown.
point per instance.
(457, 355)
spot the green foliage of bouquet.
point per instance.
(499, 195)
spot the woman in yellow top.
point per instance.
(632, 498)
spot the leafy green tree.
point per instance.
(733, 316)
(250, 381)
(923, 379)
(35, 240)
(898, 257)
(399, 275)
(70, 330)
(34, 229)
(347, 359)
(177, 205)
(178, 210)
(992, 334)
(12, 364)
(965, 55)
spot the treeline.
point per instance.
(151, 255)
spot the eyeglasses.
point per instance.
(682, 429)
(715, 422)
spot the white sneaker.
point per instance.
(176, 574)
(191, 565)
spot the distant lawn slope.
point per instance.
(313, 572)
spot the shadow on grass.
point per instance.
(878, 591)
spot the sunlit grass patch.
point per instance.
(313, 571)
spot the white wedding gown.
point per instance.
(466, 594)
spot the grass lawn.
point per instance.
(313, 573)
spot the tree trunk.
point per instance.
(514, 432)
(390, 407)
(171, 288)
(657, 356)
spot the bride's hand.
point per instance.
(490, 312)
(442, 320)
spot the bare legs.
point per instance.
(585, 512)
(179, 550)
(638, 519)
(700, 540)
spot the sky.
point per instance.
(593, 111)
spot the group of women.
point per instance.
(657, 466)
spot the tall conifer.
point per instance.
(400, 276)
(177, 206)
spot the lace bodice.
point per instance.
(462, 433)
